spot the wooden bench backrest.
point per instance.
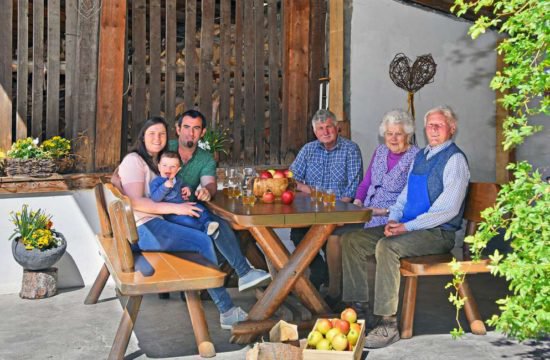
(117, 220)
(480, 197)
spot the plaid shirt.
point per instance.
(339, 169)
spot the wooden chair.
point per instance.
(137, 274)
(480, 196)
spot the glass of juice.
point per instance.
(248, 197)
(329, 197)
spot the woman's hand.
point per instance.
(188, 209)
(379, 211)
(358, 202)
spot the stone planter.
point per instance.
(37, 259)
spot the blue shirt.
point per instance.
(338, 169)
(159, 192)
(456, 177)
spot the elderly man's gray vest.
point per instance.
(435, 178)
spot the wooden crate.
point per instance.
(355, 354)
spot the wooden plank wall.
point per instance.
(221, 57)
(52, 86)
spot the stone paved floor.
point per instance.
(62, 327)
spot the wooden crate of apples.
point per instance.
(271, 185)
(336, 338)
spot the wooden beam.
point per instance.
(6, 79)
(336, 58)
(52, 184)
(502, 157)
(110, 84)
(296, 28)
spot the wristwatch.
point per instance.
(387, 212)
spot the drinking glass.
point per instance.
(329, 197)
(318, 194)
(229, 173)
(234, 187)
(248, 197)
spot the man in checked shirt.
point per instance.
(423, 221)
(329, 163)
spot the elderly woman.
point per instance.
(384, 179)
(135, 172)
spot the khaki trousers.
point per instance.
(357, 245)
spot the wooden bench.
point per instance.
(137, 274)
(480, 196)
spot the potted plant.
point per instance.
(59, 149)
(215, 142)
(25, 157)
(36, 245)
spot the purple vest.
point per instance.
(386, 185)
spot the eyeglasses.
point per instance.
(435, 126)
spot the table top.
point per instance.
(302, 212)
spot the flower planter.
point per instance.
(30, 167)
(37, 259)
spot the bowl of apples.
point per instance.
(274, 182)
(336, 338)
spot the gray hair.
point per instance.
(444, 110)
(397, 117)
(322, 115)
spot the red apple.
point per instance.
(287, 197)
(332, 333)
(353, 336)
(340, 342)
(279, 174)
(333, 321)
(324, 344)
(343, 325)
(314, 337)
(288, 173)
(349, 315)
(268, 197)
(265, 175)
(323, 325)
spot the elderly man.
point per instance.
(331, 163)
(199, 168)
(423, 221)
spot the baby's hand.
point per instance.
(185, 192)
(169, 183)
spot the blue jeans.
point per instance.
(228, 245)
(199, 223)
(160, 235)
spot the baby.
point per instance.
(168, 188)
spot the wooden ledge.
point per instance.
(53, 183)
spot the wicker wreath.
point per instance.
(412, 78)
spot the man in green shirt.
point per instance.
(199, 168)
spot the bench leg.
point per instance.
(470, 309)
(200, 327)
(98, 286)
(125, 328)
(409, 304)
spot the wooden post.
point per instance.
(296, 28)
(336, 64)
(6, 76)
(503, 157)
(110, 84)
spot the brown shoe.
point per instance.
(384, 334)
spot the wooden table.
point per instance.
(260, 219)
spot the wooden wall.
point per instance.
(223, 57)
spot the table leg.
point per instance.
(290, 272)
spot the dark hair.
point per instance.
(192, 114)
(139, 144)
(170, 155)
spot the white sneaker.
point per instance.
(212, 228)
(232, 316)
(254, 278)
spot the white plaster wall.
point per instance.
(74, 215)
(382, 28)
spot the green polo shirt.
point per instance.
(201, 164)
